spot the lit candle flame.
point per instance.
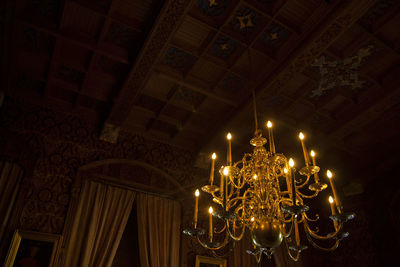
(301, 136)
(329, 174)
(255, 176)
(229, 136)
(214, 156)
(210, 210)
(226, 171)
(285, 170)
(269, 124)
(291, 162)
(252, 219)
(312, 153)
(197, 193)
(330, 199)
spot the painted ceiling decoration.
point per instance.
(212, 7)
(340, 73)
(274, 35)
(244, 20)
(223, 47)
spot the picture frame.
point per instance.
(32, 248)
(202, 261)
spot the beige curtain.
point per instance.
(99, 223)
(10, 177)
(159, 232)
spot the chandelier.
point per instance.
(265, 193)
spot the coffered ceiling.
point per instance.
(183, 71)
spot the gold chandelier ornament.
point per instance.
(262, 192)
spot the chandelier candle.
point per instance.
(270, 137)
(229, 137)
(330, 178)
(312, 153)
(213, 157)
(196, 207)
(301, 136)
(296, 232)
(333, 211)
(210, 211)
(292, 173)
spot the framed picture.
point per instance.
(202, 261)
(32, 249)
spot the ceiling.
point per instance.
(183, 71)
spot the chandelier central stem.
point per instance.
(255, 111)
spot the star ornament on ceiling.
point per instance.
(245, 21)
(340, 73)
(212, 3)
(273, 36)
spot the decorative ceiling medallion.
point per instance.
(244, 20)
(377, 11)
(232, 82)
(223, 47)
(274, 36)
(340, 73)
(178, 59)
(212, 7)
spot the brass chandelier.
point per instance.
(263, 193)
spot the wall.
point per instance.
(52, 146)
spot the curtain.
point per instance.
(158, 231)
(99, 223)
(10, 177)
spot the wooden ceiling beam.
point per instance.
(198, 89)
(107, 15)
(168, 21)
(73, 40)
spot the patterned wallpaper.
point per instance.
(55, 145)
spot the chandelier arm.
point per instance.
(302, 219)
(308, 196)
(290, 254)
(304, 183)
(232, 235)
(315, 245)
(223, 244)
(287, 234)
(231, 178)
(220, 231)
(282, 193)
(312, 220)
(316, 236)
(258, 256)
